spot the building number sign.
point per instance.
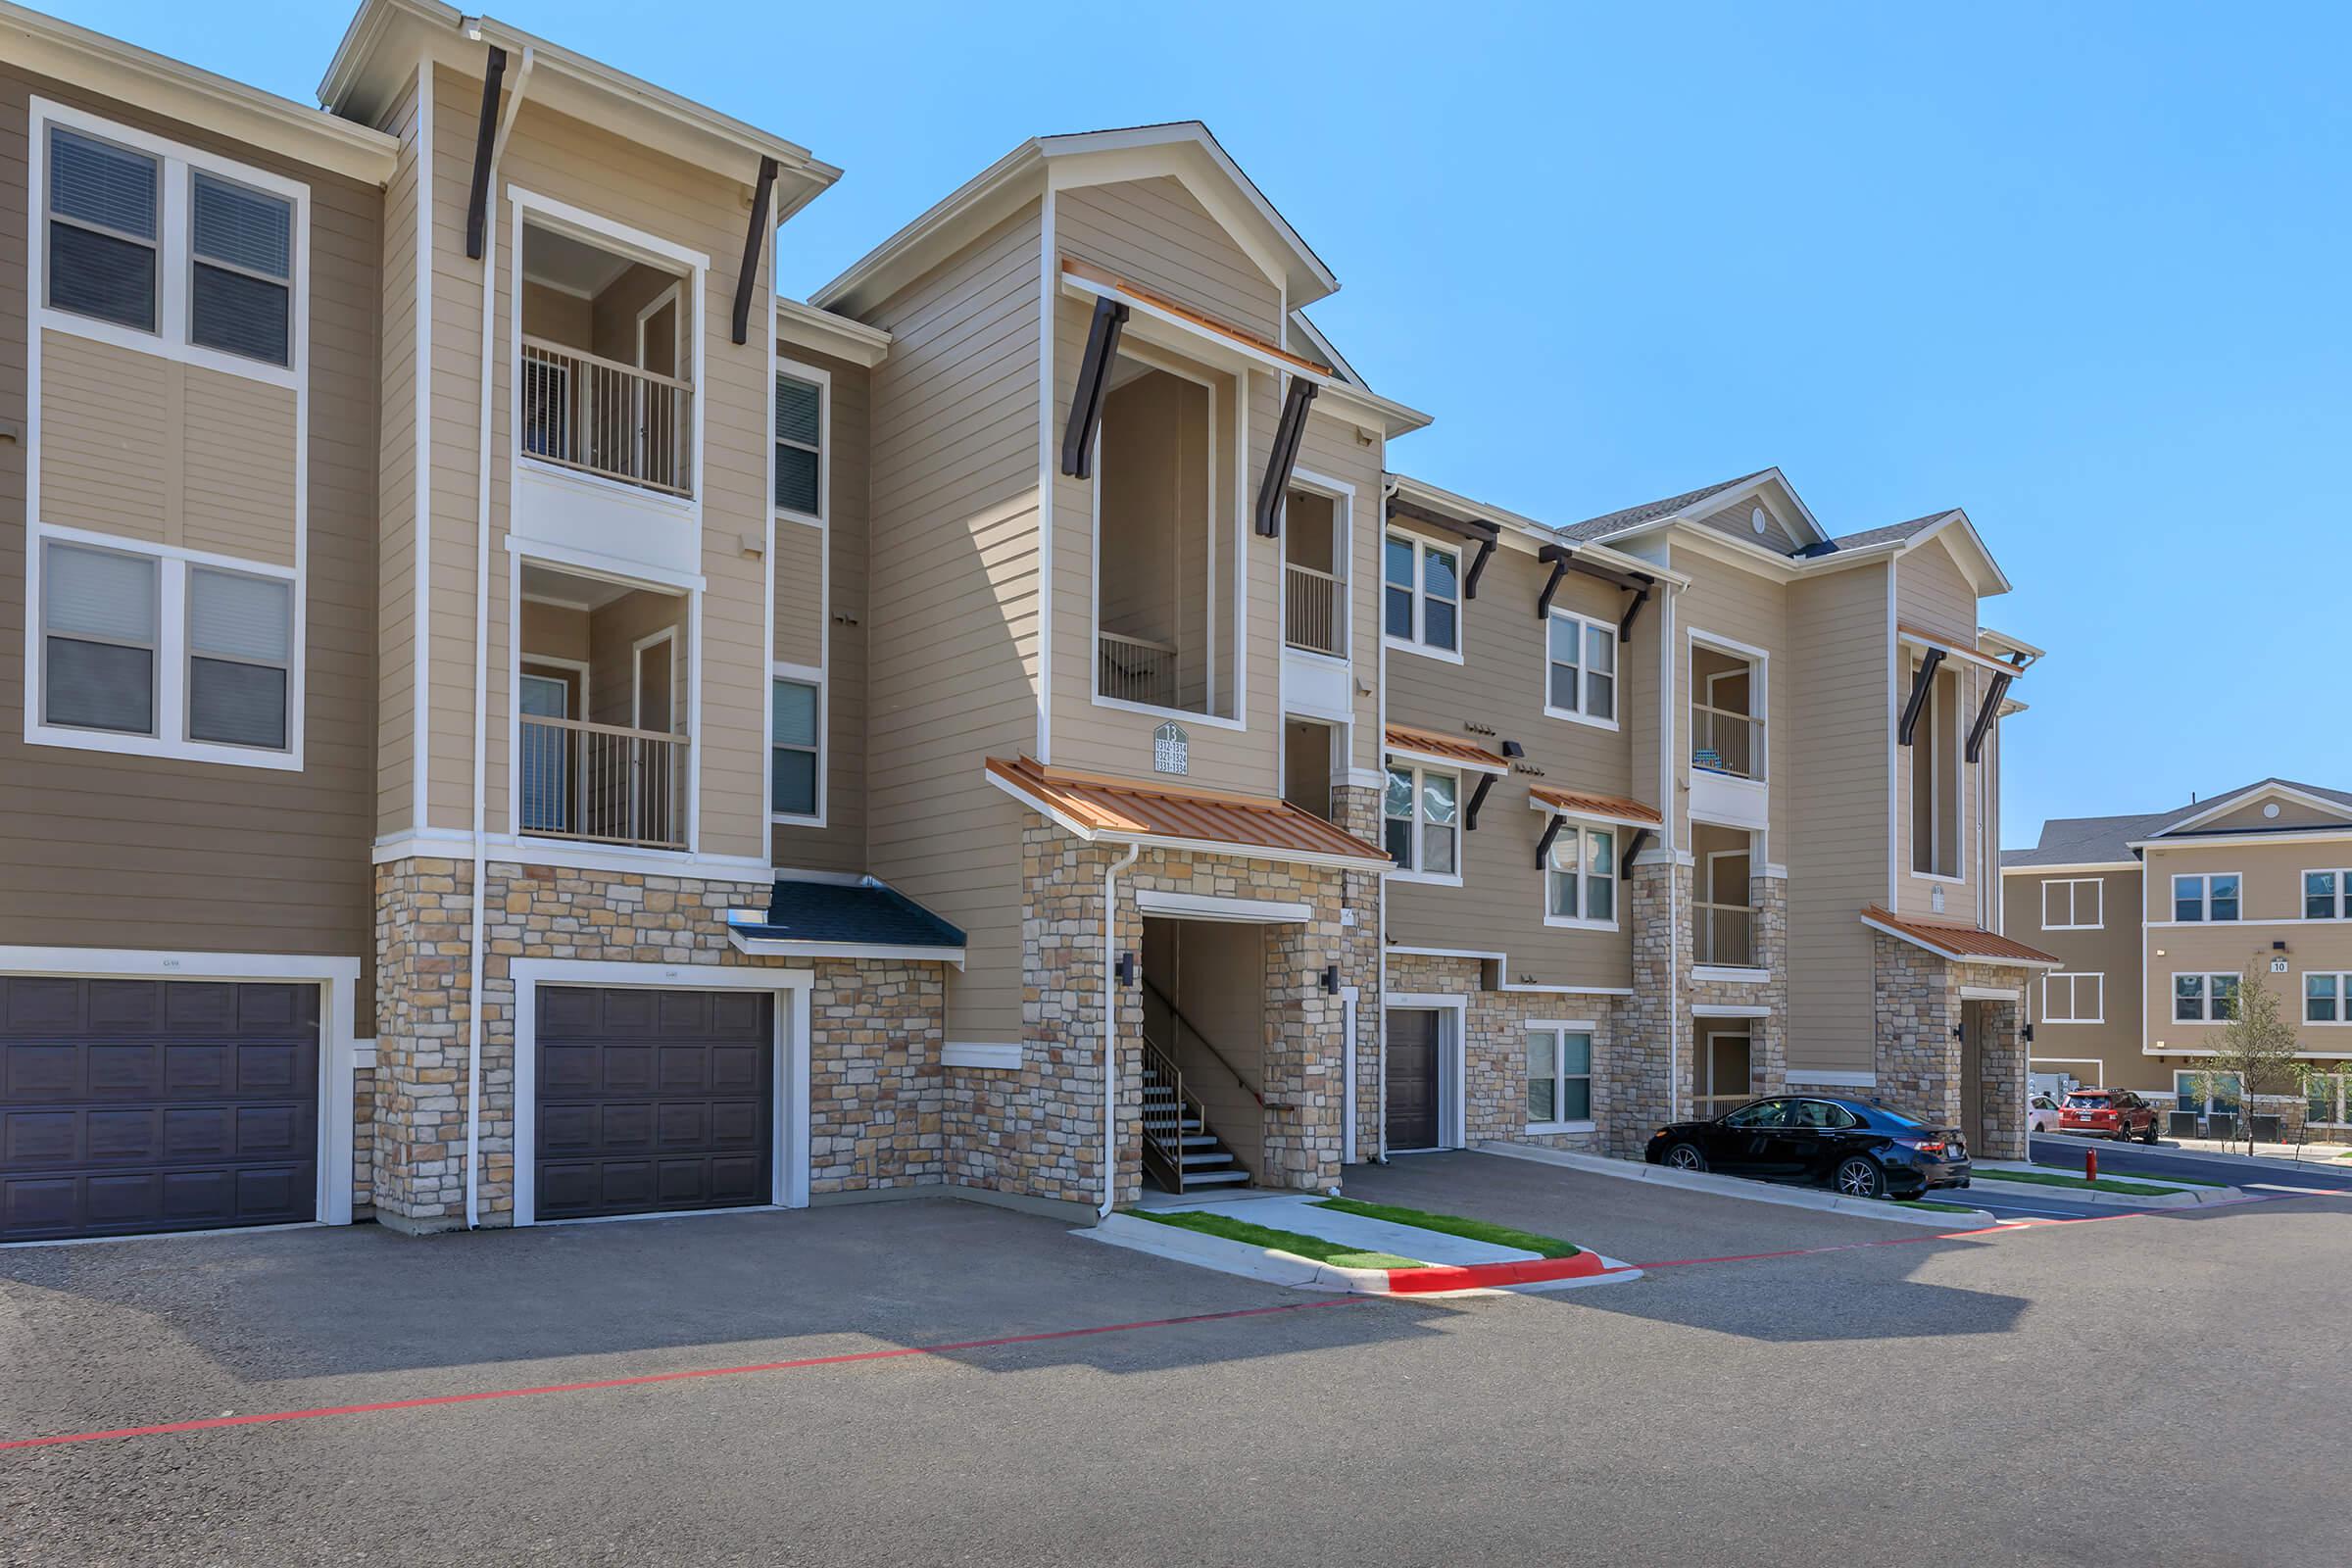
(1171, 749)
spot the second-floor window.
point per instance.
(2211, 896)
(1420, 812)
(794, 748)
(1579, 880)
(2327, 895)
(2204, 998)
(2328, 997)
(2073, 998)
(1580, 675)
(799, 453)
(2072, 903)
(1421, 595)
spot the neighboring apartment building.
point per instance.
(2156, 918)
(520, 723)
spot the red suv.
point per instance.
(2116, 1113)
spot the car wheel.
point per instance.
(1859, 1177)
(1685, 1157)
(2150, 1136)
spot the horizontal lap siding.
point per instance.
(2111, 951)
(1745, 609)
(953, 630)
(1781, 531)
(1154, 232)
(1835, 845)
(110, 443)
(1499, 685)
(396, 482)
(132, 852)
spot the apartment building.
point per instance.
(2157, 917)
(517, 722)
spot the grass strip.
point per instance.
(1476, 1230)
(2052, 1179)
(2169, 1181)
(1312, 1248)
(1941, 1209)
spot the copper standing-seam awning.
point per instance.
(1963, 943)
(1429, 746)
(1094, 805)
(1602, 807)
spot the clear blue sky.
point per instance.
(2081, 269)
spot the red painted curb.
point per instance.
(1487, 1276)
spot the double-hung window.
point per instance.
(2204, 998)
(1580, 680)
(800, 446)
(1420, 812)
(2207, 1093)
(2072, 903)
(1580, 877)
(101, 631)
(2326, 997)
(240, 657)
(2213, 897)
(1559, 1075)
(103, 225)
(1421, 595)
(795, 747)
(2327, 895)
(241, 287)
(2073, 998)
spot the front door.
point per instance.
(546, 755)
(1413, 1078)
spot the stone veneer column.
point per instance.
(1648, 1076)
(2002, 1057)
(1915, 1004)
(1356, 809)
(419, 1164)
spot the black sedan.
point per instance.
(1858, 1147)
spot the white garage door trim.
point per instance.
(788, 1127)
(337, 978)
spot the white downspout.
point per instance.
(1670, 668)
(1380, 759)
(1111, 1029)
(481, 661)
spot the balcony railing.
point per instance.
(604, 417)
(1724, 742)
(601, 784)
(1724, 933)
(1136, 670)
(1312, 605)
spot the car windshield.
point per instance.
(2085, 1102)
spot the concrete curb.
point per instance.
(1305, 1274)
(1740, 1186)
(2227, 1163)
(2176, 1197)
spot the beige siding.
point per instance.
(2111, 951)
(132, 852)
(1834, 846)
(954, 603)
(396, 480)
(800, 594)
(1742, 608)
(1499, 686)
(237, 470)
(1933, 594)
(2292, 813)
(110, 419)
(1781, 533)
(1154, 232)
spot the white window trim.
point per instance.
(2205, 1013)
(2344, 894)
(1584, 827)
(1422, 545)
(822, 379)
(2204, 881)
(2074, 903)
(1564, 1026)
(2204, 1107)
(2074, 992)
(171, 654)
(1584, 625)
(1341, 496)
(808, 675)
(1420, 772)
(2343, 994)
(175, 251)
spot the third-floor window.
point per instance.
(1421, 595)
(2210, 896)
(1580, 680)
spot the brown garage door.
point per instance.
(133, 1106)
(652, 1101)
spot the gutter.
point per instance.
(482, 662)
(1111, 1029)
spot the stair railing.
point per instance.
(1182, 1022)
(1166, 1106)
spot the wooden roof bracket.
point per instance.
(1551, 585)
(1921, 684)
(1564, 561)
(1284, 462)
(1477, 798)
(1984, 715)
(477, 199)
(753, 238)
(1485, 533)
(1092, 388)
(1632, 847)
(1625, 627)
(1478, 568)
(1551, 830)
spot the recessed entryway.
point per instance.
(1424, 1074)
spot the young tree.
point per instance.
(2254, 1054)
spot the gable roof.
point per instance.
(2108, 840)
(1628, 519)
(1891, 533)
(1095, 808)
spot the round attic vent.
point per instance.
(1756, 518)
(2271, 810)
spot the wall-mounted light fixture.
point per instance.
(1959, 1032)
(1127, 968)
(1331, 979)
(2026, 1034)
(1514, 749)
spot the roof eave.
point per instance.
(806, 326)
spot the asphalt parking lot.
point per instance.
(961, 1384)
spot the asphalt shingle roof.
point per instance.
(1892, 531)
(865, 913)
(1603, 526)
(2096, 840)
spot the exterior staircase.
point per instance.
(1181, 1154)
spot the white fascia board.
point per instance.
(2070, 865)
(804, 327)
(2207, 841)
(785, 948)
(1951, 957)
(1395, 418)
(2230, 803)
(1957, 649)
(1958, 518)
(979, 202)
(1209, 907)
(1444, 765)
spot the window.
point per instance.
(2189, 1091)
(1580, 884)
(1580, 679)
(792, 761)
(240, 657)
(1422, 594)
(2072, 903)
(2073, 998)
(2325, 1097)
(102, 229)
(2204, 998)
(1559, 1074)
(1935, 793)
(100, 619)
(240, 292)
(2328, 895)
(2328, 997)
(1419, 810)
(2206, 898)
(800, 437)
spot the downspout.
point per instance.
(1676, 709)
(482, 663)
(1111, 1029)
(1380, 759)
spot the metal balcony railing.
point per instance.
(1312, 606)
(1723, 934)
(1136, 670)
(601, 784)
(1724, 742)
(604, 417)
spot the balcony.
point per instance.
(1728, 741)
(1722, 935)
(599, 417)
(1723, 914)
(602, 783)
(1311, 606)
